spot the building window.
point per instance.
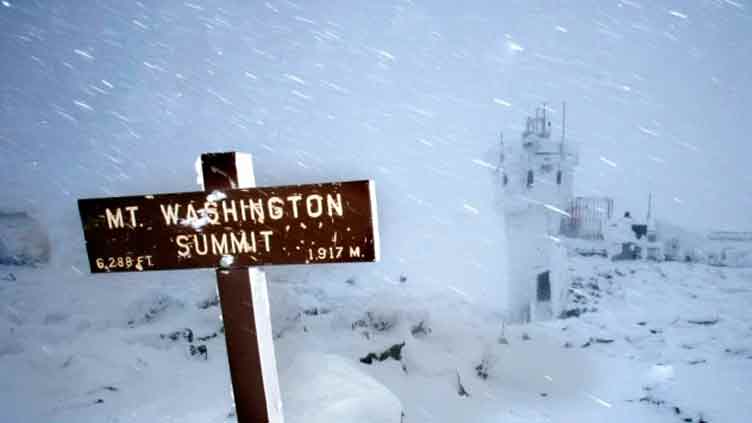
(529, 178)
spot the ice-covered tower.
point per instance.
(537, 178)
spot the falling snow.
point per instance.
(114, 98)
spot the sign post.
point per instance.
(245, 310)
(231, 226)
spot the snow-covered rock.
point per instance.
(22, 240)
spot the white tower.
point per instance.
(537, 185)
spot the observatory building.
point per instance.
(536, 178)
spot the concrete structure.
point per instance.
(536, 177)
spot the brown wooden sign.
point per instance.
(231, 226)
(301, 224)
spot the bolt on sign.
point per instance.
(231, 226)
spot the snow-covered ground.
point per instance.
(653, 342)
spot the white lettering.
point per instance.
(196, 245)
(230, 210)
(191, 215)
(114, 220)
(257, 211)
(170, 214)
(132, 211)
(183, 245)
(316, 210)
(226, 243)
(219, 247)
(333, 205)
(275, 208)
(267, 239)
(294, 199)
(243, 208)
(210, 209)
(241, 245)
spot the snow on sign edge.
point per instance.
(374, 220)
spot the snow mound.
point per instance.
(23, 242)
(324, 388)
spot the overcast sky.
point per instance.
(114, 98)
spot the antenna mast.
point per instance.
(501, 150)
(563, 121)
